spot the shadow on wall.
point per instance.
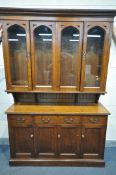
(0, 33)
(114, 31)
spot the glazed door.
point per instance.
(43, 50)
(17, 55)
(69, 48)
(45, 141)
(95, 56)
(69, 138)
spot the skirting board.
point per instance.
(109, 143)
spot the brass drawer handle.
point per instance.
(93, 120)
(68, 120)
(45, 120)
(20, 120)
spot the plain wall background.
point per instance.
(103, 4)
(108, 100)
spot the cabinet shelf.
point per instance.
(54, 91)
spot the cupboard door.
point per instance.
(42, 48)
(93, 140)
(69, 54)
(45, 141)
(69, 141)
(17, 55)
(95, 56)
(21, 140)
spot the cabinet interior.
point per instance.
(56, 98)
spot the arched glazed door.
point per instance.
(42, 49)
(95, 56)
(69, 55)
(17, 54)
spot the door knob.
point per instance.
(59, 136)
(31, 136)
(83, 136)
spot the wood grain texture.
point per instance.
(62, 124)
(57, 162)
(57, 139)
(96, 109)
(59, 12)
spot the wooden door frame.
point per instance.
(60, 26)
(24, 25)
(78, 137)
(105, 58)
(51, 26)
(102, 129)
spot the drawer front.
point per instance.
(20, 120)
(45, 119)
(94, 120)
(70, 119)
(56, 120)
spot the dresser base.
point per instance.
(57, 162)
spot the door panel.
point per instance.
(45, 141)
(22, 143)
(17, 55)
(69, 141)
(43, 67)
(95, 56)
(69, 54)
(93, 138)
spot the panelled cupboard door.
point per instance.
(45, 141)
(16, 45)
(69, 140)
(43, 55)
(96, 46)
(69, 48)
(21, 142)
(93, 140)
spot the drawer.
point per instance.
(70, 119)
(94, 120)
(45, 119)
(57, 120)
(20, 120)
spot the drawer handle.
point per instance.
(45, 120)
(93, 120)
(20, 120)
(68, 120)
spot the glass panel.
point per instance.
(94, 53)
(69, 51)
(17, 52)
(43, 55)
